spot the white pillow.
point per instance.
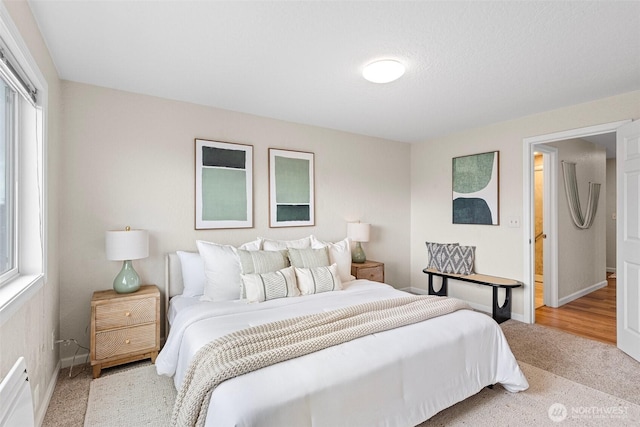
(272, 285)
(307, 258)
(254, 245)
(193, 277)
(278, 245)
(222, 270)
(339, 253)
(318, 279)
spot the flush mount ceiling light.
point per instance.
(384, 71)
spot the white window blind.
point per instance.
(13, 74)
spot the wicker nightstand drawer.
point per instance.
(126, 340)
(124, 327)
(127, 313)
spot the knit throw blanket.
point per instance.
(257, 347)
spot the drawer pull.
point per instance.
(127, 341)
(128, 314)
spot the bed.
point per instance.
(399, 377)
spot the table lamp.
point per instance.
(358, 232)
(127, 245)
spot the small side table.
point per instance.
(371, 270)
(124, 327)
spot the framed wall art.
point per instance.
(476, 189)
(291, 188)
(224, 185)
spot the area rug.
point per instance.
(592, 363)
(140, 397)
(136, 397)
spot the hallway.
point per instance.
(593, 316)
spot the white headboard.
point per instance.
(172, 282)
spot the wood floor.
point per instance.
(593, 316)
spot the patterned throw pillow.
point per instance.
(455, 259)
(435, 250)
(262, 261)
(267, 286)
(319, 279)
(308, 258)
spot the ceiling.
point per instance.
(468, 63)
(606, 141)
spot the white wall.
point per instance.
(129, 160)
(581, 253)
(500, 249)
(611, 210)
(28, 332)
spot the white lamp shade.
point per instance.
(358, 231)
(124, 245)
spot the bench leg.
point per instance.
(501, 314)
(443, 290)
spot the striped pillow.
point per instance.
(318, 279)
(272, 285)
(262, 261)
(309, 258)
(257, 262)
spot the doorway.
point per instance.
(545, 219)
(586, 305)
(550, 244)
(538, 191)
(575, 305)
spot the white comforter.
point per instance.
(394, 378)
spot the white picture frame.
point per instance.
(291, 188)
(223, 185)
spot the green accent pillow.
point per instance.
(308, 258)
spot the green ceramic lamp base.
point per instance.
(358, 255)
(127, 280)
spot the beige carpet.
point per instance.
(592, 363)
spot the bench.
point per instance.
(500, 312)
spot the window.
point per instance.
(8, 253)
(22, 184)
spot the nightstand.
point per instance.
(124, 327)
(371, 270)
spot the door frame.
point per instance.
(550, 223)
(532, 144)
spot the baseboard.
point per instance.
(81, 359)
(478, 307)
(581, 293)
(44, 405)
(611, 269)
